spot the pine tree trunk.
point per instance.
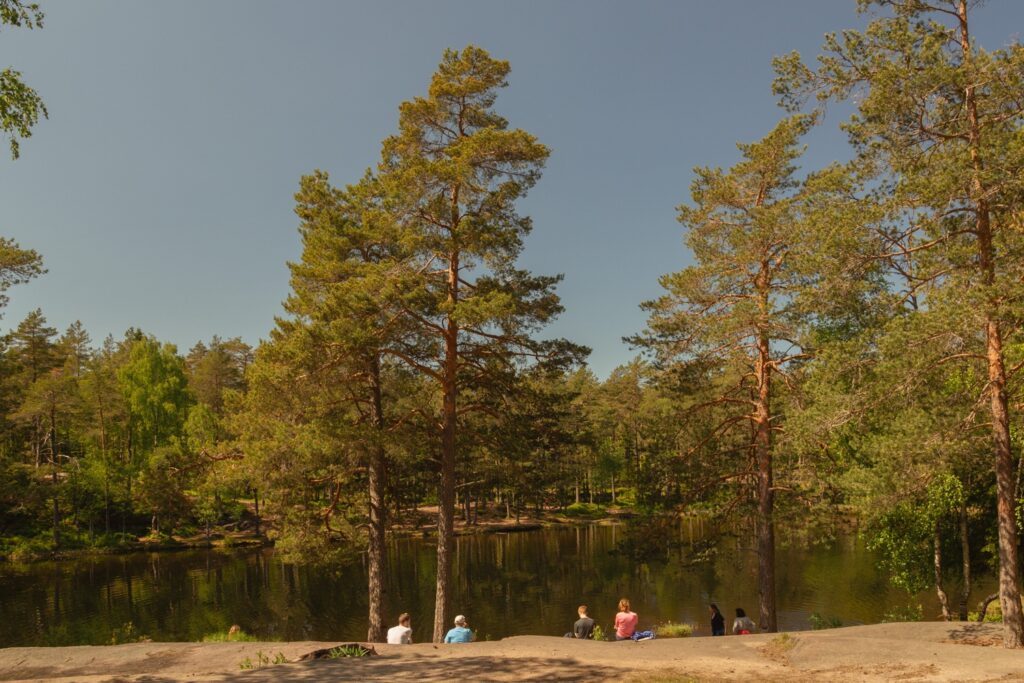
(965, 549)
(763, 452)
(765, 493)
(1009, 571)
(446, 494)
(256, 506)
(939, 590)
(378, 483)
(106, 471)
(53, 471)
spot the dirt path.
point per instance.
(884, 652)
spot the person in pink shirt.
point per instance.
(625, 621)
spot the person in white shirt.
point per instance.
(401, 634)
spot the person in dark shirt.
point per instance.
(584, 626)
(717, 621)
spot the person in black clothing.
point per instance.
(584, 626)
(717, 621)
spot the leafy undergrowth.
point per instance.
(262, 660)
(820, 622)
(587, 510)
(349, 651)
(230, 636)
(673, 630)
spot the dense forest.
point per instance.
(846, 344)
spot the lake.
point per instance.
(505, 583)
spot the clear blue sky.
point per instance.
(160, 190)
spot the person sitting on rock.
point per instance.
(625, 621)
(459, 634)
(584, 626)
(401, 634)
(742, 625)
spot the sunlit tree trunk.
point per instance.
(377, 552)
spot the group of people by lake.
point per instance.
(626, 622)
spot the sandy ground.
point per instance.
(883, 652)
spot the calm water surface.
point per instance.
(507, 584)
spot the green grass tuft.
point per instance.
(229, 637)
(672, 630)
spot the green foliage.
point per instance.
(127, 633)
(819, 622)
(155, 389)
(262, 660)
(20, 105)
(994, 615)
(20, 549)
(343, 651)
(590, 510)
(902, 538)
(230, 636)
(17, 265)
(936, 130)
(599, 633)
(673, 630)
(908, 613)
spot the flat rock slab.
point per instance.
(927, 651)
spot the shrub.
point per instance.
(598, 632)
(231, 636)
(672, 630)
(348, 651)
(25, 549)
(585, 510)
(820, 623)
(126, 634)
(262, 660)
(994, 615)
(908, 613)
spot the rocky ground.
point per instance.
(928, 651)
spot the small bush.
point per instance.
(25, 549)
(126, 634)
(238, 636)
(262, 659)
(599, 632)
(778, 647)
(994, 615)
(908, 613)
(820, 623)
(672, 630)
(585, 510)
(114, 539)
(348, 651)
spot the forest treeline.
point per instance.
(847, 342)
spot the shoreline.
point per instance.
(919, 651)
(238, 541)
